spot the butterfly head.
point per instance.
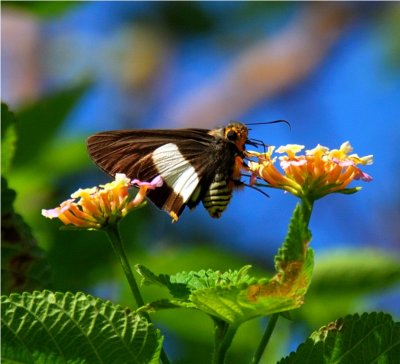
(236, 133)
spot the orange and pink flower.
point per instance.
(95, 208)
(314, 174)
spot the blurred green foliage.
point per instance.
(24, 266)
(8, 138)
(343, 279)
(40, 122)
(43, 158)
(42, 8)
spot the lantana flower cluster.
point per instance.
(97, 207)
(312, 175)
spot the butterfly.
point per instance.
(196, 165)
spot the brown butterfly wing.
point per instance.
(182, 157)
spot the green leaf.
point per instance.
(23, 264)
(242, 302)
(369, 338)
(295, 245)
(209, 278)
(166, 304)
(8, 138)
(182, 284)
(177, 289)
(234, 296)
(349, 191)
(39, 123)
(52, 327)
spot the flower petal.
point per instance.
(98, 207)
(156, 182)
(317, 173)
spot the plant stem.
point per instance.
(116, 242)
(223, 337)
(265, 339)
(306, 208)
(118, 246)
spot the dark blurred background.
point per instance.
(70, 69)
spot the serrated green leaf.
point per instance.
(234, 296)
(148, 277)
(176, 289)
(240, 303)
(369, 338)
(204, 279)
(180, 285)
(8, 138)
(74, 328)
(24, 266)
(166, 304)
(295, 245)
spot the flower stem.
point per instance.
(265, 339)
(116, 242)
(118, 246)
(223, 336)
(306, 208)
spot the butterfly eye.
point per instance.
(231, 135)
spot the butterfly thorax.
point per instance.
(230, 142)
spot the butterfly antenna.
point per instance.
(273, 122)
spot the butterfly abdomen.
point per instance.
(218, 196)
